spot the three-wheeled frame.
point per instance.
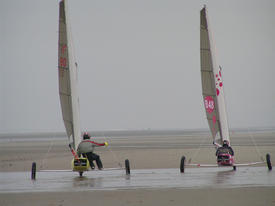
(225, 160)
(79, 165)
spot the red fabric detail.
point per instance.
(74, 154)
(214, 120)
(218, 91)
(98, 144)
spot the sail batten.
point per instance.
(212, 84)
(67, 74)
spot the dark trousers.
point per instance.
(91, 157)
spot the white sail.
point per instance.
(67, 72)
(212, 84)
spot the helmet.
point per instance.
(86, 135)
(225, 143)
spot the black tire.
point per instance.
(127, 166)
(80, 174)
(268, 162)
(33, 174)
(182, 164)
(234, 168)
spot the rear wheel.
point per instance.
(80, 174)
(33, 174)
(182, 164)
(127, 166)
(234, 168)
(268, 162)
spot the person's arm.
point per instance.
(232, 151)
(217, 151)
(96, 143)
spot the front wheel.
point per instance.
(80, 174)
(268, 162)
(33, 174)
(234, 168)
(127, 166)
(182, 164)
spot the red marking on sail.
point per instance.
(218, 83)
(62, 62)
(214, 123)
(217, 91)
(209, 104)
(63, 48)
(214, 120)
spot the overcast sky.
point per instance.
(139, 63)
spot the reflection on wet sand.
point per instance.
(223, 177)
(86, 182)
(146, 178)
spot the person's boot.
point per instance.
(99, 163)
(92, 165)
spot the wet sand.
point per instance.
(143, 153)
(237, 196)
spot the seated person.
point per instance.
(86, 149)
(225, 148)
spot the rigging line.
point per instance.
(113, 154)
(255, 145)
(46, 155)
(197, 150)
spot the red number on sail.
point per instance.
(62, 62)
(209, 104)
(63, 48)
